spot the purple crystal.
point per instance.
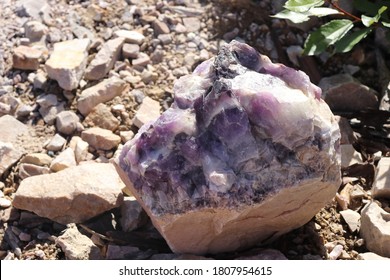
(241, 128)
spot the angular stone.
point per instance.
(49, 114)
(381, 186)
(64, 160)
(100, 139)
(192, 24)
(9, 155)
(349, 155)
(104, 59)
(37, 9)
(72, 195)
(102, 117)
(248, 150)
(148, 111)
(343, 93)
(352, 218)
(77, 246)
(37, 159)
(67, 63)
(26, 58)
(35, 30)
(160, 27)
(100, 93)
(130, 50)
(133, 215)
(132, 37)
(80, 148)
(375, 229)
(56, 143)
(142, 60)
(66, 122)
(28, 170)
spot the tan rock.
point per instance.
(77, 246)
(67, 63)
(64, 160)
(381, 187)
(100, 93)
(11, 129)
(130, 36)
(28, 170)
(80, 148)
(102, 117)
(73, 195)
(26, 58)
(104, 59)
(352, 218)
(100, 139)
(9, 155)
(239, 228)
(375, 229)
(66, 122)
(37, 159)
(147, 112)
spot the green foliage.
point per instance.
(341, 34)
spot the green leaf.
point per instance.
(346, 43)
(301, 6)
(368, 21)
(326, 35)
(293, 16)
(387, 24)
(370, 8)
(322, 11)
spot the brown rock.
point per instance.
(101, 139)
(28, 170)
(26, 58)
(37, 159)
(130, 50)
(160, 27)
(102, 117)
(73, 195)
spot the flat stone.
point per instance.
(56, 143)
(160, 27)
(165, 38)
(343, 93)
(131, 36)
(67, 63)
(100, 139)
(11, 129)
(77, 246)
(147, 112)
(352, 218)
(9, 155)
(64, 160)
(49, 114)
(133, 215)
(349, 155)
(102, 117)
(26, 58)
(192, 24)
(104, 59)
(72, 195)
(375, 229)
(381, 186)
(142, 60)
(130, 50)
(47, 100)
(28, 170)
(100, 93)
(66, 122)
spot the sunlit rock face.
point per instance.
(247, 152)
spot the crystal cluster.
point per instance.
(241, 131)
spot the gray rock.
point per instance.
(47, 100)
(56, 143)
(160, 27)
(344, 93)
(100, 93)
(49, 114)
(77, 246)
(133, 215)
(375, 229)
(72, 195)
(37, 9)
(381, 186)
(115, 252)
(35, 30)
(352, 218)
(141, 61)
(67, 63)
(66, 122)
(104, 59)
(192, 24)
(130, 50)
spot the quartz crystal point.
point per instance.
(248, 151)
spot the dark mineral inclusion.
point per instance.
(240, 129)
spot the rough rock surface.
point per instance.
(73, 195)
(375, 229)
(228, 155)
(381, 187)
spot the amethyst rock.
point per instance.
(247, 151)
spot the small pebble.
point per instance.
(4, 203)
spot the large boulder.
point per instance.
(247, 152)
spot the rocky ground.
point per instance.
(79, 78)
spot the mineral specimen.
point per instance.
(247, 151)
